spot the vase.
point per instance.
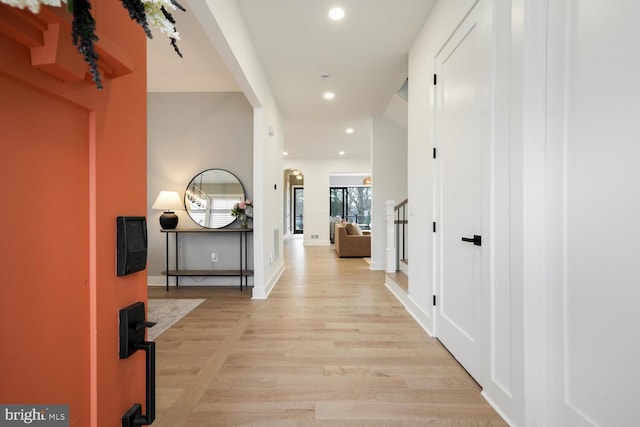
(244, 221)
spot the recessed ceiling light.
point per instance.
(284, 153)
(329, 95)
(299, 177)
(337, 13)
(341, 153)
(349, 130)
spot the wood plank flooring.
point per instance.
(331, 346)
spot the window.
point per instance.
(298, 210)
(352, 204)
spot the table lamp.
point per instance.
(168, 201)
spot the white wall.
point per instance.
(389, 177)
(349, 180)
(316, 192)
(188, 133)
(591, 275)
(225, 27)
(397, 111)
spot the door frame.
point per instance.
(294, 210)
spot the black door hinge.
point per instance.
(434, 152)
(434, 300)
(434, 226)
(435, 79)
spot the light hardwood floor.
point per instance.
(331, 346)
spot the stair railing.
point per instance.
(401, 229)
(397, 229)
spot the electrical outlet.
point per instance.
(214, 257)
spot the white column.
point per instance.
(391, 241)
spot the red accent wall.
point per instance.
(72, 158)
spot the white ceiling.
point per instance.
(366, 54)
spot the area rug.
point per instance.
(166, 312)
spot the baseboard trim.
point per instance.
(263, 292)
(316, 243)
(156, 281)
(377, 266)
(497, 409)
(198, 281)
(412, 308)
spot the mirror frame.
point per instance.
(189, 193)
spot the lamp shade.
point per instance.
(168, 201)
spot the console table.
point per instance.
(243, 272)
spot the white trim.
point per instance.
(221, 281)
(377, 266)
(533, 206)
(316, 242)
(263, 293)
(497, 409)
(156, 281)
(409, 304)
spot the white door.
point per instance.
(459, 141)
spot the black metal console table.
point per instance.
(243, 272)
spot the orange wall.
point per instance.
(72, 158)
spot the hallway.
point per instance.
(331, 346)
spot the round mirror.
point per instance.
(210, 196)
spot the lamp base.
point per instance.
(168, 220)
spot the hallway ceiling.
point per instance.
(365, 53)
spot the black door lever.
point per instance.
(144, 324)
(477, 240)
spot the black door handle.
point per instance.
(132, 328)
(477, 240)
(134, 416)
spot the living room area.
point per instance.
(349, 200)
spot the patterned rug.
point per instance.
(166, 312)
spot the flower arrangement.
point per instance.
(243, 211)
(154, 13)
